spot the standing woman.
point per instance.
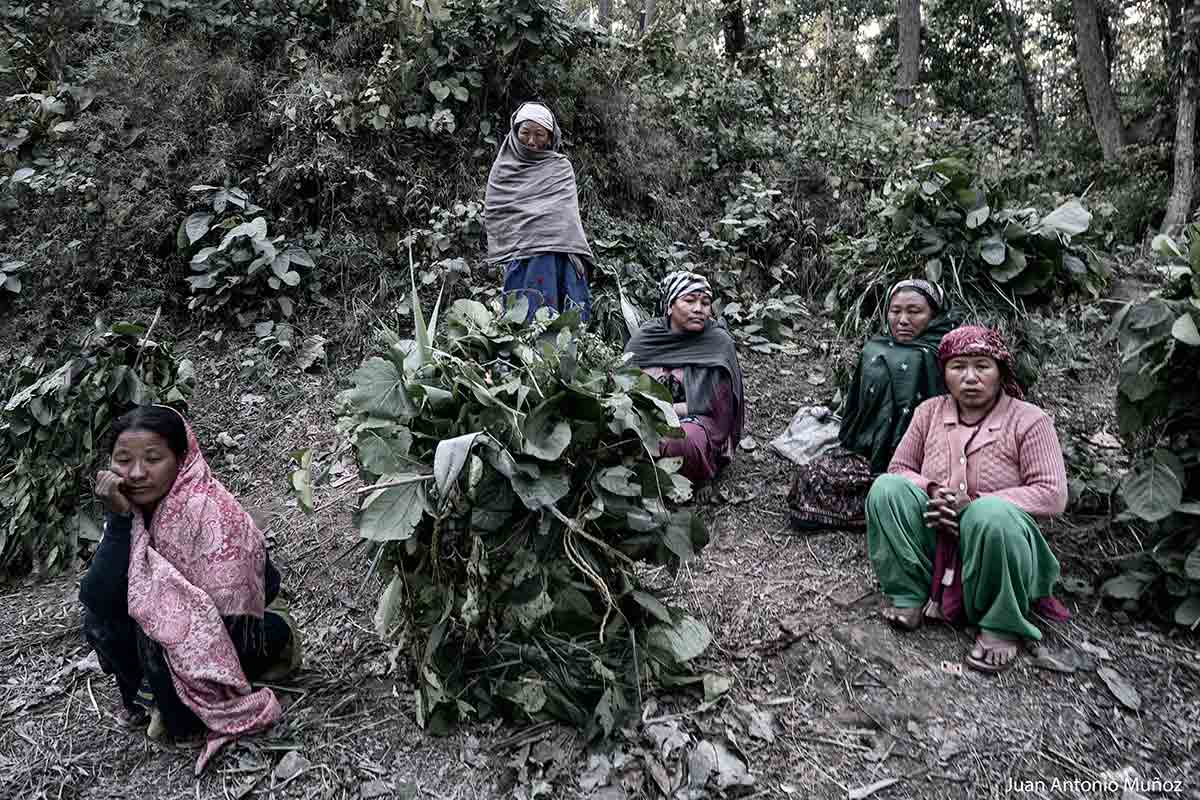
(896, 372)
(176, 599)
(531, 215)
(696, 359)
(951, 529)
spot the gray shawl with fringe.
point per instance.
(708, 358)
(532, 204)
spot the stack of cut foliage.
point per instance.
(517, 499)
(945, 221)
(52, 429)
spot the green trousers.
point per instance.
(1006, 563)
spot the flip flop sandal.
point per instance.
(980, 665)
(132, 717)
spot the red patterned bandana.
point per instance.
(975, 340)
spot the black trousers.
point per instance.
(126, 653)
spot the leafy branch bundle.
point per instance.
(52, 432)
(515, 503)
(1158, 408)
(948, 221)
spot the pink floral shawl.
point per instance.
(202, 558)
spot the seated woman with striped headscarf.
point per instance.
(896, 372)
(695, 358)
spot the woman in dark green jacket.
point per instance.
(895, 373)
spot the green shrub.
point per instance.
(1158, 409)
(237, 266)
(52, 437)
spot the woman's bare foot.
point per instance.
(992, 652)
(905, 619)
(933, 610)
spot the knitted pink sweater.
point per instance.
(1014, 455)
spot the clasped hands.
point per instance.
(943, 509)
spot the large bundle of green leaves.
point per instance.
(517, 496)
(52, 430)
(1158, 408)
(944, 220)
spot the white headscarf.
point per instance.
(535, 112)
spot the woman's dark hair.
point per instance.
(164, 421)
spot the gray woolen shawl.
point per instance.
(532, 204)
(706, 357)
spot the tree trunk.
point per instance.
(1179, 205)
(649, 9)
(827, 55)
(604, 14)
(1017, 40)
(1102, 102)
(908, 34)
(733, 22)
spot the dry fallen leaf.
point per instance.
(1120, 688)
(867, 791)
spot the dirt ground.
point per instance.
(825, 700)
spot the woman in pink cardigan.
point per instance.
(950, 528)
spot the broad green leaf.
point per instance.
(1014, 264)
(620, 480)
(682, 641)
(196, 225)
(1147, 315)
(379, 389)
(1191, 567)
(450, 457)
(381, 455)
(1187, 613)
(391, 603)
(1185, 331)
(1074, 264)
(299, 256)
(977, 216)
(992, 250)
(653, 606)
(528, 694)
(678, 535)
(1152, 490)
(546, 434)
(1071, 219)
(1126, 586)
(1164, 245)
(128, 329)
(392, 514)
(256, 229)
(541, 491)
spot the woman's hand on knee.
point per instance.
(110, 490)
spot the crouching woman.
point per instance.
(696, 359)
(950, 529)
(175, 599)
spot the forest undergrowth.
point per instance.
(249, 208)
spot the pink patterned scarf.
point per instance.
(202, 559)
